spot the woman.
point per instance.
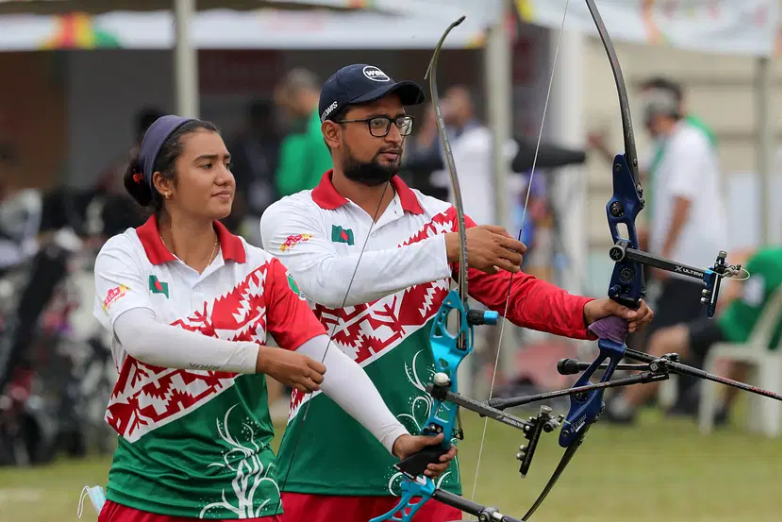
(190, 306)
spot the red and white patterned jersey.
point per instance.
(195, 443)
(385, 322)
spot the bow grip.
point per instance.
(410, 489)
(586, 407)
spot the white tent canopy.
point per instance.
(185, 61)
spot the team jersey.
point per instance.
(196, 443)
(765, 268)
(400, 283)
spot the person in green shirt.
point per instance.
(733, 325)
(304, 157)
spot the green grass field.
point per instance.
(660, 470)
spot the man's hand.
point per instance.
(636, 319)
(489, 248)
(406, 445)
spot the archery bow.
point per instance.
(626, 287)
(448, 349)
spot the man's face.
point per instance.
(366, 155)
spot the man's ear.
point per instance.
(331, 134)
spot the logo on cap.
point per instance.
(328, 111)
(375, 74)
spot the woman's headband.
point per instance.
(154, 139)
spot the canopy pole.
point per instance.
(765, 149)
(185, 60)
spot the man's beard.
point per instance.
(369, 173)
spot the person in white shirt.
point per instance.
(687, 217)
(375, 259)
(190, 308)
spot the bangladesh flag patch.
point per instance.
(341, 235)
(158, 287)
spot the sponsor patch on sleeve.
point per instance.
(294, 240)
(114, 295)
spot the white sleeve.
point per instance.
(687, 160)
(119, 283)
(346, 383)
(159, 344)
(291, 233)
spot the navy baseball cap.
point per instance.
(362, 83)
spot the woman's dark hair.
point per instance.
(165, 163)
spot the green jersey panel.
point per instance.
(337, 456)
(213, 463)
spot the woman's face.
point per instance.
(205, 186)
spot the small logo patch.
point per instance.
(292, 241)
(114, 295)
(295, 287)
(375, 74)
(158, 287)
(341, 235)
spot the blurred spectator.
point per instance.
(304, 156)
(471, 144)
(686, 209)
(423, 156)
(20, 214)
(110, 211)
(696, 337)
(254, 154)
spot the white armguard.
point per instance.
(158, 344)
(346, 383)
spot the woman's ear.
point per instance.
(163, 186)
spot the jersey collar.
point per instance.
(327, 197)
(157, 253)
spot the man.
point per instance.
(697, 337)
(254, 153)
(408, 246)
(303, 155)
(471, 143)
(686, 210)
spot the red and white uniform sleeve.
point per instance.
(289, 318)
(325, 275)
(534, 303)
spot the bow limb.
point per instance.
(448, 349)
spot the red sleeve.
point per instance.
(534, 303)
(289, 318)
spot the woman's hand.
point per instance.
(290, 368)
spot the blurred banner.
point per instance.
(227, 29)
(748, 27)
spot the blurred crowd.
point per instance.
(55, 363)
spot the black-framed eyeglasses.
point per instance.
(379, 126)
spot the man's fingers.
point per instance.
(511, 243)
(508, 266)
(497, 230)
